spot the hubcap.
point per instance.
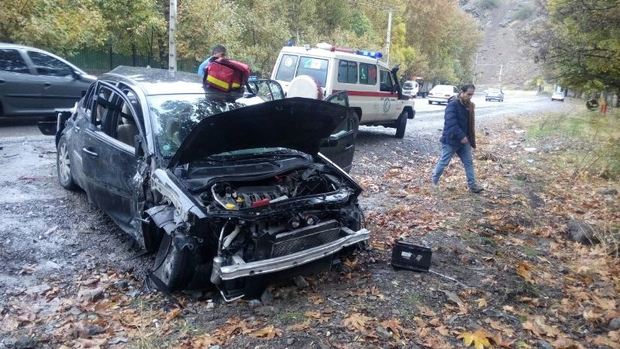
(64, 164)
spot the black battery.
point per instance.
(406, 255)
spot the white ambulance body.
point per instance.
(372, 89)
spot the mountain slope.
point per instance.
(503, 57)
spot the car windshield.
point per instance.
(493, 90)
(253, 152)
(175, 116)
(407, 85)
(442, 89)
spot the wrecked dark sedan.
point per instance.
(225, 194)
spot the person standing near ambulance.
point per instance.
(219, 51)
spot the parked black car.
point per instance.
(222, 191)
(35, 82)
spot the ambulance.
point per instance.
(372, 88)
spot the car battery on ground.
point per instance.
(406, 255)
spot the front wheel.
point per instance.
(401, 124)
(63, 165)
(173, 267)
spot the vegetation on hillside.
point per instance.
(579, 42)
(432, 38)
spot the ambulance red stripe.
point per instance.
(367, 93)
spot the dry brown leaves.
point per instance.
(479, 339)
(356, 322)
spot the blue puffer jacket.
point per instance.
(456, 123)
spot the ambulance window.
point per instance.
(314, 67)
(286, 71)
(386, 81)
(368, 74)
(347, 72)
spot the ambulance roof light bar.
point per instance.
(371, 54)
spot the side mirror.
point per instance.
(76, 76)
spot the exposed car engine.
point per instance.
(275, 217)
(235, 196)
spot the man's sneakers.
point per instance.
(475, 189)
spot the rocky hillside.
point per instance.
(503, 57)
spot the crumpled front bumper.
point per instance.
(240, 270)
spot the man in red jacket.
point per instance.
(458, 137)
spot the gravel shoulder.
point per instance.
(69, 278)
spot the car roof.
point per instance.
(6, 45)
(16, 46)
(443, 86)
(323, 53)
(153, 81)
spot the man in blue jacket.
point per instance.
(459, 137)
(218, 51)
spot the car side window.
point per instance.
(386, 81)
(124, 126)
(12, 62)
(87, 102)
(368, 74)
(347, 72)
(48, 65)
(102, 107)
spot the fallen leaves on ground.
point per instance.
(267, 332)
(478, 339)
(356, 321)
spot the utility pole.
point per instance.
(389, 31)
(172, 42)
(473, 80)
(501, 67)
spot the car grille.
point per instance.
(304, 238)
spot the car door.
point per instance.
(108, 153)
(59, 86)
(340, 146)
(20, 89)
(389, 109)
(261, 90)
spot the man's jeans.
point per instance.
(464, 152)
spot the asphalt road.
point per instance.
(428, 119)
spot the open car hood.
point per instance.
(294, 123)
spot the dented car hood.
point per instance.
(294, 123)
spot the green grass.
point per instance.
(488, 4)
(530, 251)
(523, 12)
(412, 299)
(289, 317)
(410, 302)
(588, 143)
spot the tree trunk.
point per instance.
(110, 53)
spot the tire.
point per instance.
(63, 165)
(401, 124)
(172, 266)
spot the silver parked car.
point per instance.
(494, 94)
(35, 82)
(442, 94)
